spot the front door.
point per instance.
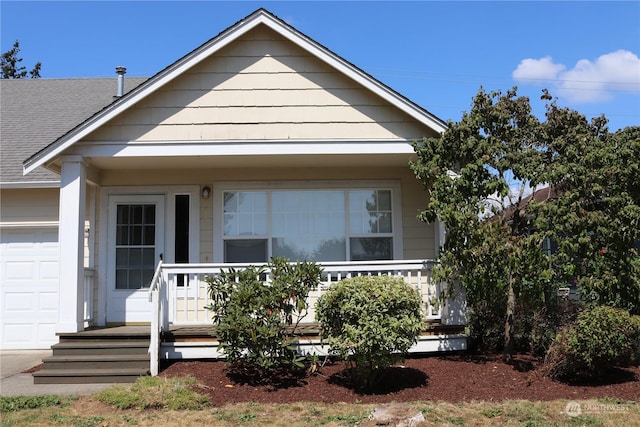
(135, 244)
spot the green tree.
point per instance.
(478, 174)
(11, 68)
(595, 218)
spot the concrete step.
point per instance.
(100, 347)
(87, 376)
(99, 361)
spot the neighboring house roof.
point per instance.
(34, 112)
(540, 196)
(48, 154)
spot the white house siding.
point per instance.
(261, 87)
(418, 237)
(29, 205)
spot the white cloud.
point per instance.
(587, 81)
(538, 69)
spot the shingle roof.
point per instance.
(35, 112)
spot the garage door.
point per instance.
(29, 288)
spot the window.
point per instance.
(181, 241)
(370, 215)
(245, 226)
(315, 225)
(135, 245)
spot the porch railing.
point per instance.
(89, 282)
(179, 292)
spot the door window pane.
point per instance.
(135, 245)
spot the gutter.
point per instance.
(29, 184)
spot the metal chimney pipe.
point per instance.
(121, 71)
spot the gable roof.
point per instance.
(259, 17)
(37, 111)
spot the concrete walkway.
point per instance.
(15, 383)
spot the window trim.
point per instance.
(220, 187)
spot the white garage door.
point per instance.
(28, 288)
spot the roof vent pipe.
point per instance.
(121, 71)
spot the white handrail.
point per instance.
(89, 282)
(155, 281)
(154, 298)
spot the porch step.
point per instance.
(87, 376)
(102, 361)
(101, 347)
(106, 355)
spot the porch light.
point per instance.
(206, 191)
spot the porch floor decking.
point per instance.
(121, 353)
(186, 333)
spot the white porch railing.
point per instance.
(179, 292)
(89, 281)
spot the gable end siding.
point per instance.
(261, 87)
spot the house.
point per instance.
(260, 142)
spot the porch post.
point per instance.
(71, 237)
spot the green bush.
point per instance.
(635, 357)
(602, 337)
(254, 319)
(370, 322)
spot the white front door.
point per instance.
(135, 244)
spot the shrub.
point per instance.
(545, 323)
(254, 319)
(370, 322)
(486, 326)
(601, 338)
(635, 357)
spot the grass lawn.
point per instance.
(161, 401)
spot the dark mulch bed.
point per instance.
(451, 378)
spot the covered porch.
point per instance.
(179, 295)
(180, 327)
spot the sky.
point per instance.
(437, 54)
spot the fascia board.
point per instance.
(253, 148)
(29, 184)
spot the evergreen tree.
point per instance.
(11, 68)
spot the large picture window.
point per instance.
(314, 225)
